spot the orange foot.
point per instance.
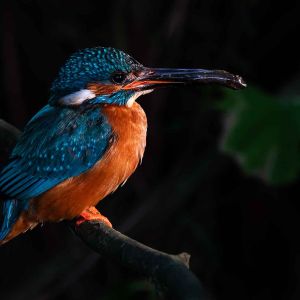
(90, 214)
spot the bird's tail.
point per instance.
(10, 212)
(14, 221)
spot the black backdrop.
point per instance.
(243, 235)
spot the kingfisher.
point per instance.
(87, 140)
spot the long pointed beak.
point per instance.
(154, 78)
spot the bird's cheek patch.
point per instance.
(103, 89)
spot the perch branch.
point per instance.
(170, 273)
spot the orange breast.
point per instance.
(70, 198)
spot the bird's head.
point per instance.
(110, 76)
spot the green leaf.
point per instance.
(263, 133)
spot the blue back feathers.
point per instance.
(58, 143)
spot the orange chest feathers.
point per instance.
(70, 198)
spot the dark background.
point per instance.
(187, 195)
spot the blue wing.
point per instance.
(58, 143)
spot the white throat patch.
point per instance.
(132, 99)
(78, 97)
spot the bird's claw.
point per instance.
(92, 214)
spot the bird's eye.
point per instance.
(118, 77)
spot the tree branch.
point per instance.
(170, 273)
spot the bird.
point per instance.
(87, 140)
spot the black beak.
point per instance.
(154, 78)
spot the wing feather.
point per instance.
(57, 144)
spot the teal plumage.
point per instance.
(56, 144)
(93, 65)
